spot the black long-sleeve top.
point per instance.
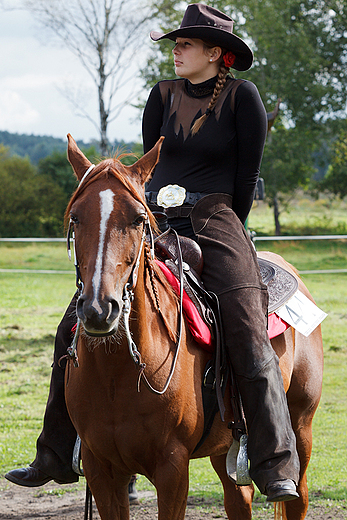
(224, 156)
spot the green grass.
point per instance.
(304, 216)
(34, 255)
(32, 305)
(309, 254)
(327, 475)
(30, 309)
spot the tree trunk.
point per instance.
(103, 132)
(102, 110)
(276, 217)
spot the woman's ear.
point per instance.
(215, 53)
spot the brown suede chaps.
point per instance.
(54, 447)
(231, 271)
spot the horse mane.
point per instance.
(104, 169)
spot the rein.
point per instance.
(128, 298)
(72, 350)
(135, 354)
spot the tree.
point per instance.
(58, 168)
(159, 64)
(287, 165)
(106, 36)
(336, 178)
(300, 52)
(300, 49)
(29, 205)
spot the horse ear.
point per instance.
(144, 166)
(77, 159)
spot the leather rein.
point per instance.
(128, 298)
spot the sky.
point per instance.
(32, 74)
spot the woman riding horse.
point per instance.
(214, 128)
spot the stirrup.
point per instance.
(76, 457)
(237, 462)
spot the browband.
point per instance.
(87, 173)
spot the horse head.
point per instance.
(108, 213)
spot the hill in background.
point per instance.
(37, 147)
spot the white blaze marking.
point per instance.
(106, 207)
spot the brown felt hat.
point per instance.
(208, 24)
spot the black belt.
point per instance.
(176, 211)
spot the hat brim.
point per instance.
(219, 37)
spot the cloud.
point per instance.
(29, 81)
(16, 113)
(33, 78)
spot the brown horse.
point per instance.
(126, 430)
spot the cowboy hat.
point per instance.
(208, 24)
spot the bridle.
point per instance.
(128, 298)
(71, 232)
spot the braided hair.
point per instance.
(219, 86)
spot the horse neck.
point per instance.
(155, 306)
(141, 306)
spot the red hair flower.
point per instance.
(229, 59)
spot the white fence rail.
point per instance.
(294, 237)
(254, 238)
(32, 239)
(307, 237)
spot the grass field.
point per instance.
(32, 305)
(304, 216)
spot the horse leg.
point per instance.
(172, 483)
(302, 426)
(110, 494)
(303, 398)
(237, 499)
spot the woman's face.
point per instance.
(194, 61)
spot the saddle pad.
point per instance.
(281, 284)
(198, 328)
(275, 325)
(196, 324)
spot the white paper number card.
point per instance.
(301, 313)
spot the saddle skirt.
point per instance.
(280, 283)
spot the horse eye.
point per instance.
(73, 218)
(139, 220)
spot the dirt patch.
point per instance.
(47, 503)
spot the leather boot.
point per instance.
(57, 440)
(271, 440)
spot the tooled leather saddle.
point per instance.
(281, 284)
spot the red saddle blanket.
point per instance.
(196, 324)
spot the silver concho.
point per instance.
(171, 195)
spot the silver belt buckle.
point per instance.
(170, 196)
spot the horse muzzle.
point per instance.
(99, 317)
